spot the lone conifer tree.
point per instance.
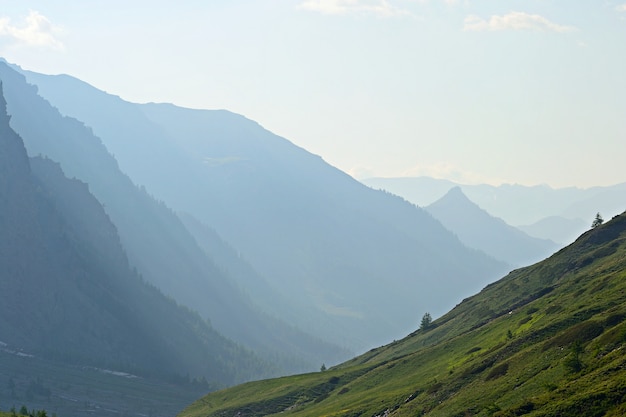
(597, 221)
(426, 321)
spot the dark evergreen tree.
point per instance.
(597, 221)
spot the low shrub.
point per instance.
(497, 371)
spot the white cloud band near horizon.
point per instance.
(381, 8)
(36, 30)
(437, 170)
(514, 21)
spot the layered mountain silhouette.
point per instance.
(477, 229)
(157, 243)
(360, 265)
(561, 214)
(71, 301)
(545, 340)
(252, 238)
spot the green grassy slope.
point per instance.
(545, 340)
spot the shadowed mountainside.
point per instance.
(157, 243)
(71, 301)
(323, 240)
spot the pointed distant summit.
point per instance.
(454, 209)
(455, 195)
(456, 192)
(479, 230)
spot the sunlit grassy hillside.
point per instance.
(545, 340)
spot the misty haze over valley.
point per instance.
(280, 259)
(342, 219)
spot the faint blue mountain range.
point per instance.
(558, 214)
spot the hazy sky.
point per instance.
(491, 91)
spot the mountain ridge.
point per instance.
(337, 240)
(157, 243)
(72, 303)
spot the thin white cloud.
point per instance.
(448, 171)
(514, 21)
(381, 8)
(361, 172)
(35, 30)
(621, 8)
(438, 170)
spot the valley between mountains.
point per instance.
(152, 254)
(545, 340)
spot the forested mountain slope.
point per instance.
(546, 340)
(157, 243)
(70, 300)
(333, 247)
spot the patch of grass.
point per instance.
(523, 409)
(531, 310)
(434, 388)
(552, 309)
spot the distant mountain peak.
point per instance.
(480, 230)
(457, 194)
(456, 190)
(455, 201)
